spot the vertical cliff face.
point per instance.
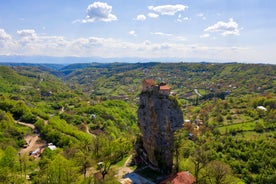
(158, 118)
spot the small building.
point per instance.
(187, 121)
(147, 84)
(150, 85)
(51, 146)
(93, 116)
(164, 89)
(262, 108)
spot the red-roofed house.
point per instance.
(164, 89)
(183, 177)
(147, 84)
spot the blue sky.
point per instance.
(213, 30)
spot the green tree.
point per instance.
(8, 165)
(217, 172)
(200, 159)
(58, 171)
(260, 125)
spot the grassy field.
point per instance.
(247, 126)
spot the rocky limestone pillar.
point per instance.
(158, 118)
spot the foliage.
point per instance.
(10, 133)
(60, 133)
(113, 117)
(57, 170)
(89, 112)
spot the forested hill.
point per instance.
(89, 111)
(122, 79)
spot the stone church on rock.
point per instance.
(158, 117)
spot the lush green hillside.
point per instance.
(237, 132)
(89, 112)
(124, 80)
(62, 115)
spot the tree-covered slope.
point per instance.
(124, 80)
(62, 115)
(89, 112)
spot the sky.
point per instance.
(210, 30)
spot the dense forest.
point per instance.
(83, 120)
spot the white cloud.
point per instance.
(27, 33)
(147, 42)
(181, 19)
(205, 35)
(153, 15)
(132, 32)
(7, 44)
(98, 11)
(4, 36)
(168, 9)
(141, 17)
(172, 46)
(163, 46)
(161, 34)
(225, 28)
(171, 37)
(30, 43)
(201, 15)
(27, 36)
(180, 38)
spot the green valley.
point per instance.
(89, 113)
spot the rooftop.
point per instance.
(183, 177)
(165, 88)
(149, 81)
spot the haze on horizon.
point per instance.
(240, 31)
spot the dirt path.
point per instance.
(126, 175)
(33, 145)
(124, 169)
(87, 130)
(26, 124)
(31, 140)
(61, 110)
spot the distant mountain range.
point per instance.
(71, 60)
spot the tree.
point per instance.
(217, 172)
(104, 168)
(8, 165)
(178, 145)
(84, 160)
(260, 126)
(59, 170)
(9, 158)
(19, 109)
(200, 159)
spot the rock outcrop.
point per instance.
(158, 117)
